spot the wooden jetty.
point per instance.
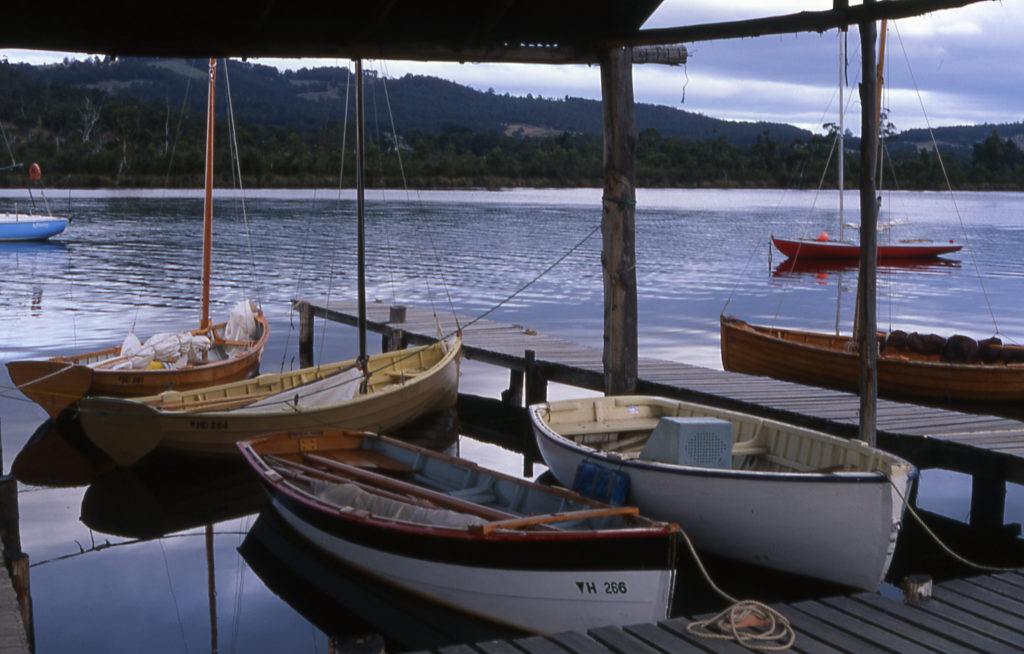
(977, 614)
(963, 616)
(989, 449)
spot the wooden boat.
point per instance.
(801, 249)
(397, 387)
(746, 488)
(824, 248)
(508, 550)
(234, 352)
(29, 227)
(993, 375)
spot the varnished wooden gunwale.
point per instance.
(59, 382)
(831, 362)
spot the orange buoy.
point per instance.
(822, 236)
(35, 173)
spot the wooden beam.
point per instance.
(804, 21)
(618, 223)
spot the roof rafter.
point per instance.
(804, 21)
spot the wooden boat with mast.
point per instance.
(384, 392)
(929, 368)
(508, 550)
(379, 392)
(211, 354)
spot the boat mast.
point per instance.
(361, 240)
(842, 128)
(204, 322)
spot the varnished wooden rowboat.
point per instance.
(831, 361)
(236, 346)
(507, 550)
(59, 382)
(759, 491)
(400, 386)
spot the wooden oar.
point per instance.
(548, 518)
(307, 473)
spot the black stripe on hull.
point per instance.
(653, 549)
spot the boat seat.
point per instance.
(367, 459)
(605, 426)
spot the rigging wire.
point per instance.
(430, 236)
(236, 172)
(177, 131)
(945, 175)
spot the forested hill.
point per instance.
(309, 98)
(141, 123)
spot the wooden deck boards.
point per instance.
(951, 622)
(571, 363)
(978, 614)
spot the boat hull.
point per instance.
(59, 383)
(26, 228)
(832, 362)
(128, 429)
(841, 527)
(542, 580)
(811, 249)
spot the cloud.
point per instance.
(962, 64)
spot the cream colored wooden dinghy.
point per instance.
(755, 490)
(401, 386)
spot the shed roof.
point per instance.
(459, 30)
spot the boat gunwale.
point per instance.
(904, 358)
(153, 402)
(610, 458)
(646, 529)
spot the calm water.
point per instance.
(133, 260)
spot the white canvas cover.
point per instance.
(241, 325)
(169, 350)
(325, 392)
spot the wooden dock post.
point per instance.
(866, 282)
(305, 333)
(988, 500)
(618, 222)
(393, 339)
(513, 395)
(16, 561)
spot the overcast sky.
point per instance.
(953, 67)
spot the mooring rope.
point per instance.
(938, 541)
(750, 623)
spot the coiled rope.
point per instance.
(750, 623)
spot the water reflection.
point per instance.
(346, 604)
(819, 268)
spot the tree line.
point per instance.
(89, 138)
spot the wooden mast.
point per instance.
(867, 340)
(204, 322)
(361, 237)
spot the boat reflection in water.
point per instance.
(346, 604)
(821, 268)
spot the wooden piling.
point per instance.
(305, 333)
(618, 221)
